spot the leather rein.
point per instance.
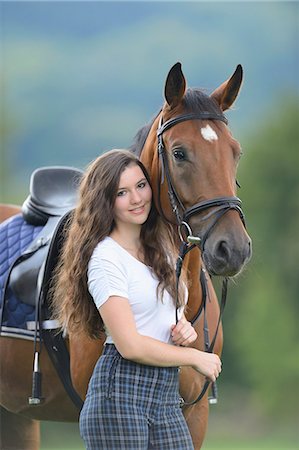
(220, 207)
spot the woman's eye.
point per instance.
(121, 193)
(142, 185)
(179, 155)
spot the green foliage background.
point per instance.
(81, 78)
(274, 212)
(265, 319)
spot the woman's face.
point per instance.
(134, 197)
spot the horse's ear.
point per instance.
(227, 92)
(175, 86)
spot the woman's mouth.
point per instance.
(138, 210)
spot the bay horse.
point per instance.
(192, 159)
(7, 211)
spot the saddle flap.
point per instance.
(25, 271)
(23, 278)
(54, 252)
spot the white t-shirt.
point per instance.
(112, 271)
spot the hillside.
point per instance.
(80, 78)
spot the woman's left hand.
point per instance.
(183, 333)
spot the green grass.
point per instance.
(65, 436)
(236, 423)
(263, 443)
(60, 436)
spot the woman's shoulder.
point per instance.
(105, 248)
(106, 255)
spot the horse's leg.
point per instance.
(197, 416)
(191, 382)
(197, 420)
(18, 432)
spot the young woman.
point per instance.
(117, 274)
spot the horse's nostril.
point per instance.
(249, 248)
(222, 251)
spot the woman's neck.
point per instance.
(129, 239)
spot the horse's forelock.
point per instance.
(197, 101)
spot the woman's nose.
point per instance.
(135, 197)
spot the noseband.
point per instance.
(220, 207)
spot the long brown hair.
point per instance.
(91, 221)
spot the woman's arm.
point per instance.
(119, 320)
(183, 332)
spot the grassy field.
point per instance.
(236, 423)
(61, 436)
(254, 444)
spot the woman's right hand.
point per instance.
(208, 364)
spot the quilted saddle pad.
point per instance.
(15, 237)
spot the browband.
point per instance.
(205, 115)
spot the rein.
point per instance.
(220, 207)
(209, 346)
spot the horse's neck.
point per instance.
(149, 157)
(193, 265)
(149, 153)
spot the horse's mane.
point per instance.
(141, 136)
(194, 101)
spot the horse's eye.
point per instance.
(179, 155)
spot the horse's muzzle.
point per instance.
(227, 256)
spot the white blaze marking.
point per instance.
(209, 134)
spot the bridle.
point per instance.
(220, 207)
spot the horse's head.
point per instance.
(197, 161)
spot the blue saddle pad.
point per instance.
(15, 236)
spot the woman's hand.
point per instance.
(208, 364)
(183, 333)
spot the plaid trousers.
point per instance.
(130, 406)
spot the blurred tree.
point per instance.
(8, 128)
(262, 331)
(3, 171)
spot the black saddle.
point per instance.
(53, 192)
(52, 198)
